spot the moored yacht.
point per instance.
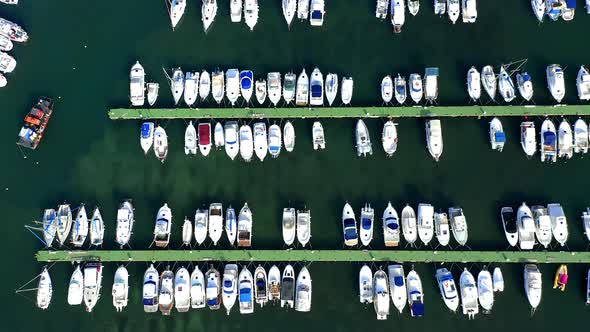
(448, 289)
(469, 296)
(197, 289)
(415, 294)
(302, 90)
(177, 8)
(415, 85)
(485, 290)
(526, 227)
(558, 223)
(497, 135)
(506, 86)
(260, 87)
(230, 284)
(177, 85)
(246, 291)
(473, 83)
(166, 296)
(542, 225)
(538, 9)
(316, 87)
(274, 140)
(397, 286)
(381, 9)
(232, 89)
(556, 82)
(509, 224)
(583, 83)
(151, 284)
(260, 140)
(440, 7)
(425, 222)
(204, 138)
(489, 81)
(381, 294)
(317, 135)
(201, 225)
(289, 136)
(96, 228)
(217, 86)
(251, 13)
(389, 138)
(120, 288)
(153, 90)
(349, 226)
(191, 88)
(146, 137)
(49, 225)
(391, 226)
(289, 87)
(548, 141)
(303, 290)
(331, 87)
(231, 225)
(245, 227)
(289, 225)
(274, 284)
(208, 13)
(137, 85)
(442, 229)
(246, 143)
(182, 295)
(44, 290)
(92, 284)
(565, 141)
(434, 139)
(469, 11)
(367, 222)
(414, 7)
(160, 144)
(400, 89)
(525, 85)
(80, 227)
(213, 288)
(190, 139)
(303, 227)
(235, 10)
(232, 139)
(398, 15)
(363, 139)
(187, 232)
(204, 85)
(302, 9)
(64, 222)
(409, 225)
(498, 280)
(13, 31)
(218, 135)
(580, 136)
(453, 10)
(528, 138)
(260, 286)
(568, 13)
(289, 9)
(125, 220)
(458, 225)
(533, 285)
(346, 88)
(215, 222)
(288, 287)
(7, 63)
(274, 87)
(316, 13)
(431, 84)
(366, 285)
(386, 89)
(76, 287)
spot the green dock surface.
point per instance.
(345, 112)
(409, 256)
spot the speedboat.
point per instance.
(182, 291)
(525, 85)
(448, 289)
(44, 290)
(473, 82)
(528, 138)
(289, 9)
(92, 284)
(425, 222)
(316, 86)
(302, 90)
(469, 11)
(413, 7)
(76, 287)
(548, 141)
(232, 88)
(230, 284)
(246, 143)
(212, 288)
(381, 9)
(218, 135)
(363, 139)
(469, 296)
(231, 225)
(510, 225)
(120, 288)
(274, 284)
(538, 9)
(208, 13)
(5, 44)
(316, 13)
(201, 225)
(442, 229)
(153, 89)
(64, 223)
(125, 220)
(260, 87)
(260, 140)
(556, 82)
(586, 222)
(204, 85)
(409, 225)
(235, 10)
(289, 136)
(391, 226)
(416, 92)
(137, 85)
(190, 139)
(151, 284)
(397, 286)
(274, 140)
(580, 136)
(533, 284)
(302, 9)
(187, 232)
(485, 290)
(232, 139)
(381, 294)
(453, 10)
(526, 227)
(197, 289)
(346, 89)
(260, 286)
(400, 89)
(565, 141)
(289, 225)
(13, 31)
(387, 89)
(367, 221)
(558, 223)
(246, 291)
(274, 87)
(497, 135)
(415, 294)
(177, 85)
(561, 278)
(583, 83)
(303, 290)
(389, 138)
(288, 287)
(80, 227)
(160, 144)
(251, 13)
(245, 227)
(289, 86)
(317, 134)
(246, 83)
(146, 138)
(398, 15)
(366, 285)
(49, 225)
(331, 87)
(177, 8)
(458, 225)
(489, 81)
(434, 139)
(440, 7)
(215, 222)
(303, 227)
(498, 280)
(506, 86)
(191, 88)
(163, 226)
(349, 226)
(217, 86)
(204, 138)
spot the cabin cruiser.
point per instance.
(458, 225)
(218, 135)
(231, 225)
(201, 225)
(389, 138)
(76, 287)
(409, 225)
(400, 89)
(289, 87)
(366, 285)
(442, 229)
(448, 289)
(556, 82)
(434, 139)
(289, 9)
(414, 7)
(251, 13)
(302, 9)
(558, 223)
(246, 291)
(232, 139)
(181, 290)
(204, 139)
(528, 138)
(245, 227)
(363, 139)
(391, 226)
(473, 82)
(538, 9)
(289, 136)
(80, 227)
(120, 288)
(580, 136)
(317, 134)
(274, 284)
(509, 224)
(381, 9)
(213, 289)
(96, 228)
(14, 32)
(331, 87)
(125, 220)
(260, 286)
(398, 15)
(153, 89)
(349, 226)
(565, 141)
(274, 87)
(415, 294)
(44, 290)
(208, 13)
(160, 144)
(235, 10)
(147, 136)
(425, 222)
(230, 284)
(316, 87)
(489, 81)
(191, 88)
(136, 84)
(525, 85)
(469, 11)
(92, 284)
(542, 225)
(246, 143)
(260, 140)
(506, 86)
(583, 83)
(289, 225)
(346, 89)
(215, 222)
(177, 8)
(526, 227)
(316, 13)
(485, 290)
(204, 85)
(586, 222)
(166, 296)
(151, 284)
(288, 287)
(274, 140)
(246, 84)
(49, 225)
(64, 223)
(177, 85)
(303, 227)
(302, 90)
(533, 284)
(498, 280)
(497, 135)
(431, 84)
(303, 290)
(548, 141)
(367, 222)
(453, 10)
(7, 63)
(190, 139)
(440, 7)
(197, 289)
(469, 296)
(260, 88)
(387, 89)
(217, 86)
(397, 286)
(381, 294)
(416, 92)
(232, 81)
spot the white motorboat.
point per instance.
(5, 44)
(49, 225)
(400, 89)
(469, 295)
(3, 81)
(289, 136)
(288, 287)
(506, 86)
(215, 222)
(260, 87)
(151, 284)
(489, 81)
(363, 139)
(191, 88)
(366, 285)
(212, 289)
(526, 227)
(246, 143)
(391, 226)
(182, 290)
(533, 285)
(232, 139)
(302, 90)
(346, 88)
(160, 144)
(349, 226)
(397, 286)
(303, 227)
(80, 227)
(448, 289)
(163, 226)
(177, 85)
(208, 13)
(415, 84)
(580, 136)
(303, 289)
(230, 283)
(398, 15)
(509, 223)
(442, 229)
(409, 225)
(232, 87)
(317, 134)
(120, 288)
(204, 85)
(289, 225)
(431, 84)
(469, 11)
(125, 220)
(197, 289)
(137, 85)
(558, 223)
(92, 284)
(539, 9)
(434, 139)
(260, 286)
(204, 138)
(440, 7)
(245, 227)
(251, 13)
(473, 82)
(289, 9)
(218, 135)
(316, 87)
(498, 280)
(217, 86)
(302, 9)
(235, 10)
(331, 87)
(187, 232)
(583, 83)
(246, 83)
(316, 13)
(414, 7)
(201, 226)
(367, 222)
(381, 294)
(274, 87)
(44, 290)
(528, 138)
(586, 222)
(525, 85)
(453, 10)
(146, 137)
(76, 287)
(246, 291)
(548, 141)
(190, 139)
(260, 140)
(565, 140)
(274, 284)
(485, 290)
(231, 225)
(289, 86)
(381, 9)
(458, 225)
(389, 138)
(415, 294)
(387, 89)
(556, 82)
(497, 135)
(177, 8)
(13, 31)
(425, 222)
(275, 142)
(64, 223)
(153, 90)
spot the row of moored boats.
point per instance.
(555, 9)
(417, 87)
(9, 32)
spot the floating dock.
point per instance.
(345, 112)
(407, 256)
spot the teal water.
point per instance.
(80, 54)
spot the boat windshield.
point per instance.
(316, 91)
(349, 222)
(367, 223)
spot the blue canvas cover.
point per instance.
(350, 234)
(571, 3)
(212, 302)
(145, 130)
(149, 301)
(500, 137)
(316, 15)
(316, 91)
(246, 79)
(245, 295)
(366, 223)
(549, 138)
(418, 309)
(398, 281)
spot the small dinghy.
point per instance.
(316, 87)
(80, 227)
(153, 90)
(448, 289)
(474, 84)
(400, 89)
(232, 85)
(289, 86)
(260, 140)
(528, 138)
(182, 295)
(288, 226)
(160, 144)
(136, 84)
(469, 295)
(389, 138)
(498, 280)
(76, 287)
(251, 13)
(49, 226)
(260, 91)
(387, 89)
(442, 228)
(218, 136)
(218, 86)
(151, 284)
(303, 227)
(246, 291)
(289, 9)
(92, 284)
(245, 227)
(177, 85)
(232, 139)
(163, 226)
(246, 143)
(556, 82)
(366, 285)
(274, 87)
(64, 223)
(367, 222)
(425, 222)
(120, 288)
(260, 286)
(96, 228)
(346, 89)
(289, 136)
(548, 141)
(331, 87)
(458, 225)
(190, 139)
(434, 139)
(416, 91)
(201, 226)
(489, 81)
(349, 226)
(485, 290)
(317, 132)
(497, 135)
(409, 225)
(303, 291)
(191, 88)
(187, 232)
(213, 288)
(44, 290)
(580, 136)
(275, 142)
(525, 85)
(197, 289)
(230, 286)
(391, 226)
(302, 90)
(246, 84)
(509, 225)
(288, 287)
(381, 294)
(208, 12)
(274, 284)
(177, 8)
(236, 10)
(147, 136)
(204, 85)
(363, 139)
(533, 285)
(215, 222)
(506, 86)
(231, 225)
(205, 138)
(566, 140)
(125, 221)
(415, 294)
(397, 286)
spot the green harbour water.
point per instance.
(80, 54)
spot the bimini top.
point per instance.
(350, 233)
(245, 295)
(571, 3)
(500, 136)
(316, 90)
(204, 134)
(392, 225)
(398, 281)
(145, 130)
(418, 309)
(549, 137)
(316, 15)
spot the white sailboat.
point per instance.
(197, 289)
(146, 138)
(497, 135)
(246, 291)
(260, 87)
(80, 227)
(120, 288)
(398, 15)
(232, 139)
(386, 89)
(230, 285)
(182, 290)
(381, 294)
(485, 290)
(525, 85)
(232, 88)
(317, 134)
(434, 139)
(191, 88)
(415, 294)
(346, 88)
(288, 226)
(125, 220)
(137, 85)
(190, 139)
(349, 226)
(289, 87)
(526, 227)
(548, 141)
(251, 13)
(469, 11)
(366, 285)
(558, 223)
(275, 141)
(235, 10)
(163, 226)
(542, 225)
(442, 229)
(489, 81)
(538, 9)
(448, 289)
(528, 138)
(302, 90)
(177, 85)
(246, 84)
(556, 82)
(231, 225)
(473, 83)
(580, 136)
(215, 222)
(458, 225)
(316, 13)
(218, 135)
(274, 87)
(208, 13)
(565, 140)
(289, 9)
(246, 143)
(316, 87)
(201, 226)
(391, 226)
(44, 290)
(177, 8)
(151, 284)
(303, 290)
(217, 86)
(397, 286)
(367, 222)
(204, 85)
(160, 144)
(49, 225)
(469, 295)
(415, 84)
(331, 87)
(76, 287)
(64, 223)
(506, 86)
(509, 224)
(389, 138)
(288, 287)
(92, 284)
(289, 136)
(303, 227)
(363, 139)
(453, 10)
(425, 222)
(409, 225)
(302, 9)
(260, 140)
(533, 285)
(583, 83)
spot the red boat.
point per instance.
(205, 138)
(35, 124)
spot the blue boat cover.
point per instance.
(149, 301)
(392, 226)
(366, 223)
(245, 295)
(549, 138)
(316, 15)
(227, 283)
(145, 130)
(417, 309)
(526, 77)
(212, 302)
(446, 277)
(500, 136)
(571, 3)
(316, 91)
(246, 81)
(274, 149)
(349, 223)
(350, 234)
(398, 280)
